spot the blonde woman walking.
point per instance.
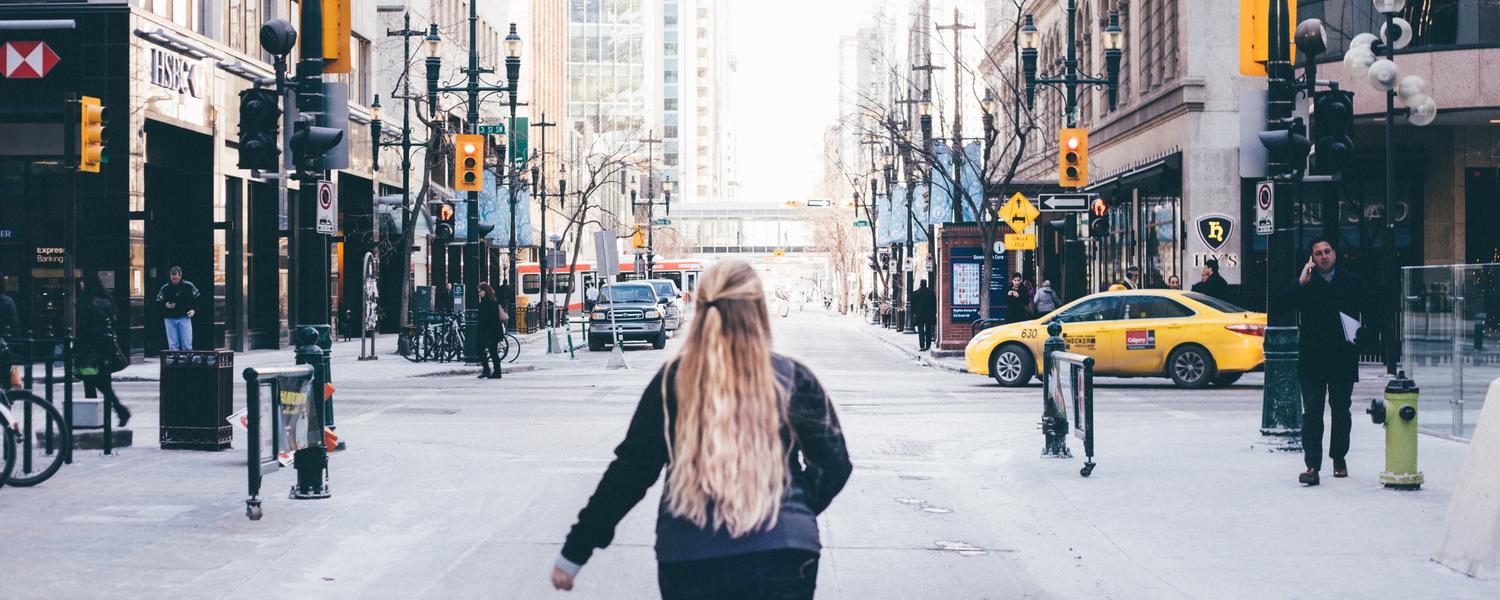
(753, 453)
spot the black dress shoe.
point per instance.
(1309, 478)
(484, 375)
(1340, 469)
(496, 375)
(124, 415)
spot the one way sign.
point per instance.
(1065, 202)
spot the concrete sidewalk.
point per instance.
(346, 364)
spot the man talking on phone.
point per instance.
(1330, 311)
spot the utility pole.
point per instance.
(650, 141)
(407, 209)
(958, 27)
(541, 244)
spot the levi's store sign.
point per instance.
(172, 71)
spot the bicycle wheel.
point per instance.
(7, 452)
(408, 345)
(38, 451)
(512, 347)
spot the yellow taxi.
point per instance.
(1195, 340)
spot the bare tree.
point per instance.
(603, 165)
(1004, 145)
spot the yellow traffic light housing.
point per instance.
(92, 134)
(468, 162)
(638, 239)
(337, 33)
(1073, 158)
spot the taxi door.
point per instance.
(1091, 328)
(1152, 326)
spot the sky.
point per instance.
(787, 90)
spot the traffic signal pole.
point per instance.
(1281, 396)
(471, 245)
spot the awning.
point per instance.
(1169, 164)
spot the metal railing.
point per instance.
(51, 354)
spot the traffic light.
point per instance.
(1099, 218)
(443, 213)
(311, 143)
(638, 237)
(1288, 145)
(1073, 156)
(1332, 124)
(468, 162)
(92, 134)
(260, 123)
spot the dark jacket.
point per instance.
(489, 321)
(183, 294)
(923, 305)
(1017, 306)
(1215, 286)
(1324, 353)
(96, 327)
(818, 464)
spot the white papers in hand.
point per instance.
(1351, 327)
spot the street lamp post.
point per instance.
(1383, 75)
(377, 141)
(472, 89)
(1029, 39)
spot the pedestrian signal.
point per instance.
(1099, 218)
(443, 214)
(468, 162)
(1073, 158)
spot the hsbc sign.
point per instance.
(174, 72)
(27, 60)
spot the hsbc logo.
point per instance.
(27, 60)
(174, 72)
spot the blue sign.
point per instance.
(9, 235)
(966, 270)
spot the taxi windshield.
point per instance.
(627, 293)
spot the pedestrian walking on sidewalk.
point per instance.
(923, 314)
(99, 355)
(1328, 364)
(10, 325)
(1046, 299)
(178, 300)
(491, 328)
(1017, 301)
(733, 424)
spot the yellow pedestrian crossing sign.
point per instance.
(1018, 212)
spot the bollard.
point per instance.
(1398, 413)
(312, 462)
(1054, 426)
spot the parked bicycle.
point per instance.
(436, 337)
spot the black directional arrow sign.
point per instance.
(1065, 202)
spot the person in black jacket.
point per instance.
(752, 450)
(490, 330)
(1328, 363)
(10, 325)
(1213, 284)
(178, 300)
(1017, 300)
(923, 314)
(97, 346)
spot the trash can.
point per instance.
(197, 397)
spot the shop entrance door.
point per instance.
(180, 228)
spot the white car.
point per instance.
(670, 297)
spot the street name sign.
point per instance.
(491, 129)
(1020, 241)
(327, 218)
(1265, 200)
(1065, 202)
(1018, 212)
(861, 223)
(661, 222)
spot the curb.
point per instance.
(917, 356)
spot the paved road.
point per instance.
(455, 487)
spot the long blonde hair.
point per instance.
(726, 449)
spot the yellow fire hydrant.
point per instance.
(1398, 412)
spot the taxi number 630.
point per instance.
(1028, 334)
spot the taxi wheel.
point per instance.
(1191, 367)
(1011, 365)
